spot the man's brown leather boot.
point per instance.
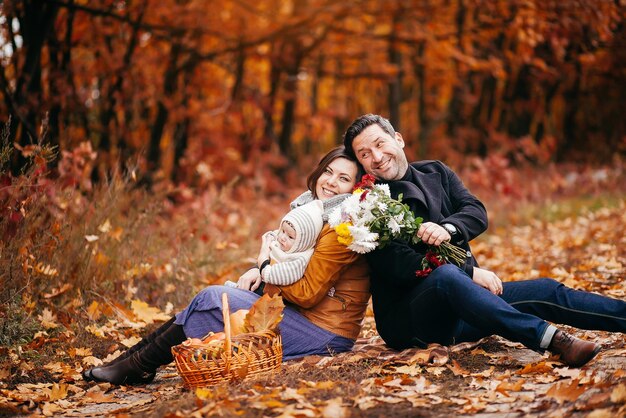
(573, 351)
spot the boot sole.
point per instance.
(134, 380)
(589, 358)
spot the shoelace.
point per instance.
(565, 339)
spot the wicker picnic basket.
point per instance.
(241, 356)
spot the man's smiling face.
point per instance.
(381, 154)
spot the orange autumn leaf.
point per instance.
(58, 391)
(541, 367)
(265, 314)
(48, 319)
(567, 391)
(456, 368)
(237, 322)
(148, 314)
(505, 387)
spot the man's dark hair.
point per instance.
(360, 124)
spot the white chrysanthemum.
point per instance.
(334, 218)
(362, 247)
(382, 206)
(393, 225)
(351, 206)
(366, 217)
(363, 241)
(360, 233)
(384, 188)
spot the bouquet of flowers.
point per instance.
(371, 218)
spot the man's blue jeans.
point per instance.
(449, 308)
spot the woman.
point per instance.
(327, 305)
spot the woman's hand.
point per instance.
(250, 280)
(488, 279)
(433, 234)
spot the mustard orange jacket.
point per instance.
(334, 291)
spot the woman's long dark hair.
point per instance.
(333, 154)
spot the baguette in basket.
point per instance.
(251, 348)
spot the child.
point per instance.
(286, 252)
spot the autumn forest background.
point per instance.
(146, 145)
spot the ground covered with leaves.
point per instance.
(493, 376)
(86, 269)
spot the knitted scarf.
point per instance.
(329, 204)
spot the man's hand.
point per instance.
(433, 234)
(250, 280)
(488, 279)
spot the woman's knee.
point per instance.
(212, 293)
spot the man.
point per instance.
(455, 304)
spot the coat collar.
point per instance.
(424, 188)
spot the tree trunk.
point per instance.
(181, 132)
(35, 24)
(169, 84)
(420, 75)
(395, 86)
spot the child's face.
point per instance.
(286, 236)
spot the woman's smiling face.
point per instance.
(338, 177)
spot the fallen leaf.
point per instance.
(93, 311)
(567, 372)
(59, 291)
(237, 322)
(131, 341)
(266, 313)
(601, 413)
(324, 385)
(411, 369)
(54, 367)
(58, 391)
(566, 391)
(80, 352)
(456, 368)
(618, 395)
(105, 227)
(48, 319)
(505, 387)
(91, 238)
(367, 402)
(92, 361)
(541, 367)
(148, 314)
(204, 393)
(98, 397)
(49, 409)
(334, 409)
(116, 234)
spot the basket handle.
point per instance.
(227, 340)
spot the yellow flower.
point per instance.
(342, 229)
(357, 191)
(344, 240)
(343, 232)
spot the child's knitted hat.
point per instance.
(307, 222)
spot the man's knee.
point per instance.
(547, 283)
(449, 275)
